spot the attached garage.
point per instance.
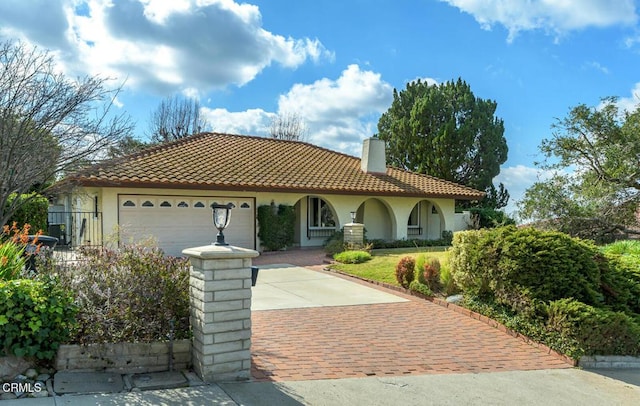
(179, 222)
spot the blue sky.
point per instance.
(336, 63)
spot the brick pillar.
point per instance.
(354, 234)
(220, 300)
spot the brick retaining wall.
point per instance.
(125, 358)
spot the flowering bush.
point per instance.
(13, 241)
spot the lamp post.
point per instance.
(221, 218)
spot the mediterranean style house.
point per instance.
(165, 192)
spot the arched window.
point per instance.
(414, 217)
(320, 214)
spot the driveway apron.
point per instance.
(365, 330)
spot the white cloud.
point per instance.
(168, 46)
(597, 66)
(631, 103)
(427, 80)
(249, 122)
(338, 113)
(553, 16)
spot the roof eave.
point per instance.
(266, 188)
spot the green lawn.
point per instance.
(382, 266)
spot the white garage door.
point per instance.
(179, 222)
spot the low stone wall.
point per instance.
(124, 358)
(609, 362)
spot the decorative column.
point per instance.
(220, 301)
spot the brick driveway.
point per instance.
(407, 338)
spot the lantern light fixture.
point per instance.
(221, 219)
(353, 216)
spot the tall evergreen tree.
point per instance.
(445, 131)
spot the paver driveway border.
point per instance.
(414, 337)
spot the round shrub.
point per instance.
(335, 244)
(352, 257)
(405, 271)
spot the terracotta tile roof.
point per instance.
(238, 162)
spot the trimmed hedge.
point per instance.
(352, 257)
(36, 316)
(382, 244)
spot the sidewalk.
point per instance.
(543, 387)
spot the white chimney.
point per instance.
(373, 156)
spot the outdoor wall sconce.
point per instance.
(353, 216)
(221, 218)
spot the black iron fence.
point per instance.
(76, 228)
